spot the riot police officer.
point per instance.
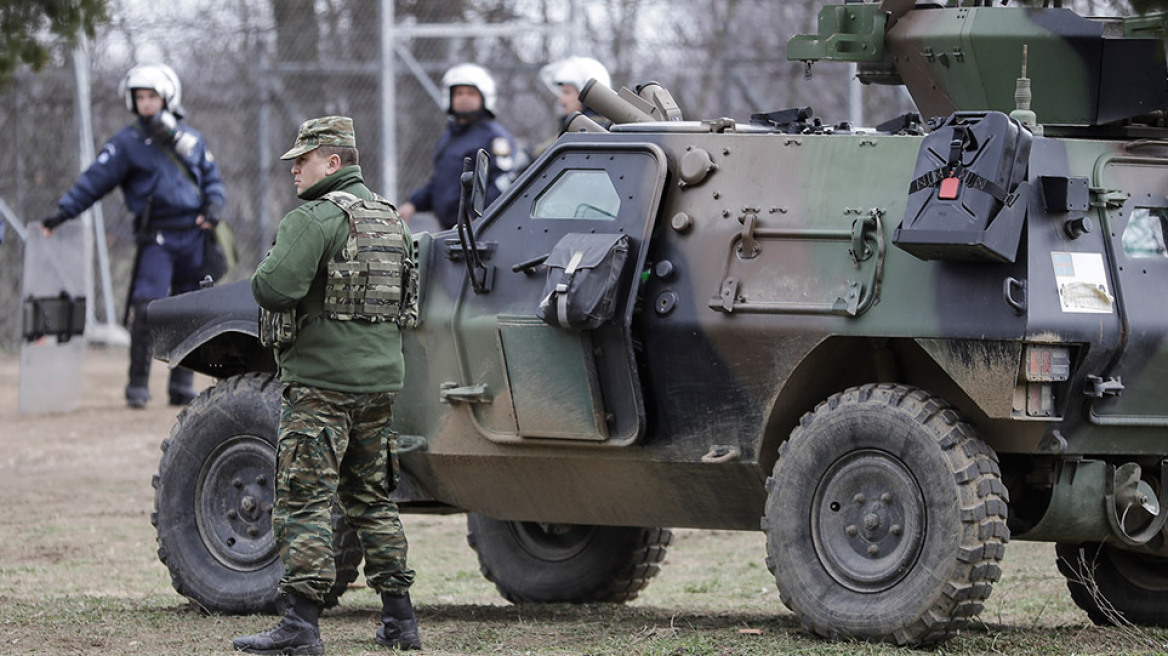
(565, 78)
(171, 184)
(470, 96)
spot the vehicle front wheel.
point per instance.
(885, 518)
(531, 562)
(213, 502)
(1116, 586)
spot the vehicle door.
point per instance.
(1134, 390)
(521, 378)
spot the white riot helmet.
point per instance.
(575, 71)
(470, 75)
(159, 78)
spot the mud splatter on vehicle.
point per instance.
(891, 349)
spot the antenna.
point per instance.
(1022, 95)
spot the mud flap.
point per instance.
(54, 285)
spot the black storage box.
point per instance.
(967, 201)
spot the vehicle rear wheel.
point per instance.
(885, 518)
(531, 562)
(1115, 586)
(213, 501)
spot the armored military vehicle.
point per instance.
(890, 349)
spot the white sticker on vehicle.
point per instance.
(1082, 283)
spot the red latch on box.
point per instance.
(949, 187)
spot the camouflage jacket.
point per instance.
(350, 356)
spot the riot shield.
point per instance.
(54, 284)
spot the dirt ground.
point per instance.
(79, 573)
(62, 471)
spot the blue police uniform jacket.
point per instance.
(144, 170)
(440, 194)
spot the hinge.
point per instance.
(850, 303)
(452, 393)
(1100, 387)
(729, 293)
(748, 246)
(1111, 198)
(860, 251)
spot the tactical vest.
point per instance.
(372, 277)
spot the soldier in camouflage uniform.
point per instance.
(340, 369)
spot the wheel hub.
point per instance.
(552, 542)
(234, 502)
(868, 520)
(1144, 571)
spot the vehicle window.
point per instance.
(578, 194)
(1144, 234)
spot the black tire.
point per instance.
(213, 501)
(886, 518)
(566, 563)
(1115, 586)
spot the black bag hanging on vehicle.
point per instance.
(584, 272)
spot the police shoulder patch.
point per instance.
(501, 147)
(106, 153)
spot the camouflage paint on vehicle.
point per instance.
(891, 348)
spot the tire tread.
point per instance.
(984, 533)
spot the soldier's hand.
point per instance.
(406, 211)
(50, 223)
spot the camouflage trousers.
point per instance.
(335, 444)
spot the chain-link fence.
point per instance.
(252, 70)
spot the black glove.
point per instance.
(162, 126)
(212, 214)
(51, 222)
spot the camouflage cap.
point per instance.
(323, 131)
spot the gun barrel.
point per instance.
(611, 106)
(578, 122)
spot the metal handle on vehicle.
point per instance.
(721, 453)
(453, 393)
(527, 265)
(1010, 286)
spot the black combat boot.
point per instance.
(297, 634)
(138, 390)
(180, 388)
(399, 626)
